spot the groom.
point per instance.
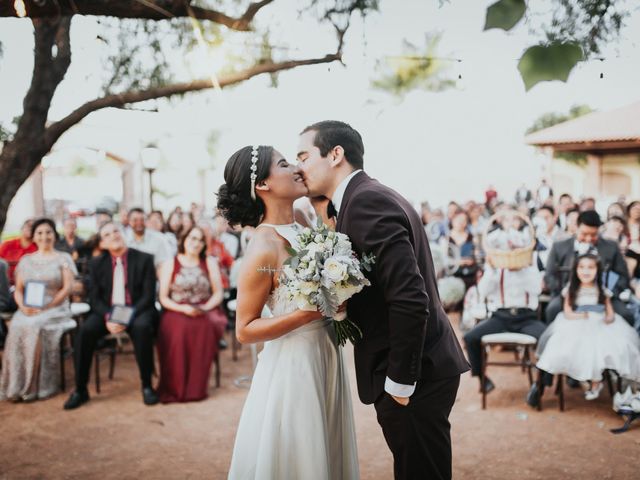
(408, 362)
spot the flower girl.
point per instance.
(588, 337)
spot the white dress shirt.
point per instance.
(339, 193)
(391, 387)
(503, 288)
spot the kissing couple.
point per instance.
(297, 422)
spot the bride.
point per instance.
(297, 421)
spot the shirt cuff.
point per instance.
(399, 389)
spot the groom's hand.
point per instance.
(404, 401)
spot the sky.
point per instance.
(429, 146)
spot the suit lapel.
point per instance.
(107, 274)
(348, 193)
(130, 269)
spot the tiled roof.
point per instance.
(619, 125)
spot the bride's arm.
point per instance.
(254, 286)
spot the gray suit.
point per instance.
(559, 265)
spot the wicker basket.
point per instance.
(515, 259)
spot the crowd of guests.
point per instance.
(579, 296)
(162, 283)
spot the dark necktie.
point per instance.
(331, 210)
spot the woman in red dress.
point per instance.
(192, 322)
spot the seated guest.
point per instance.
(474, 308)
(192, 323)
(563, 254)
(31, 362)
(588, 337)
(70, 242)
(615, 229)
(633, 221)
(13, 250)
(217, 249)
(616, 209)
(512, 299)
(547, 232)
(123, 277)
(565, 203)
(173, 229)
(155, 221)
(460, 237)
(103, 216)
(146, 240)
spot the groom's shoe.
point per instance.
(76, 399)
(149, 397)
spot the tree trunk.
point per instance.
(20, 156)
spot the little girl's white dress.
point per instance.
(584, 348)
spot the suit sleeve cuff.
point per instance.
(398, 389)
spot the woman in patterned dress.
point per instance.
(31, 362)
(192, 322)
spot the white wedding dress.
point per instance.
(297, 421)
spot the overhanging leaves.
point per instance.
(548, 62)
(505, 14)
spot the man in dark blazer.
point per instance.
(408, 362)
(564, 252)
(118, 276)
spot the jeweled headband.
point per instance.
(254, 169)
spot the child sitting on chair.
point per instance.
(588, 336)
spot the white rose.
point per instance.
(289, 273)
(307, 288)
(345, 293)
(302, 302)
(343, 246)
(318, 239)
(306, 231)
(334, 270)
(314, 248)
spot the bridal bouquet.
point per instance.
(323, 274)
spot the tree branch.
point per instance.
(55, 130)
(140, 9)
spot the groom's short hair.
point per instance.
(331, 133)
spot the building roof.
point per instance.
(611, 130)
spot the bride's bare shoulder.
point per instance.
(264, 242)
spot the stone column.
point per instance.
(593, 178)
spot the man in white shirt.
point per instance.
(512, 299)
(145, 239)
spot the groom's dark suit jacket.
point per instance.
(406, 333)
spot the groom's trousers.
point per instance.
(419, 435)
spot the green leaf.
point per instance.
(505, 14)
(548, 62)
(319, 223)
(292, 251)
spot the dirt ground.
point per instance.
(115, 436)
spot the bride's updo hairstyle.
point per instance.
(235, 201)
